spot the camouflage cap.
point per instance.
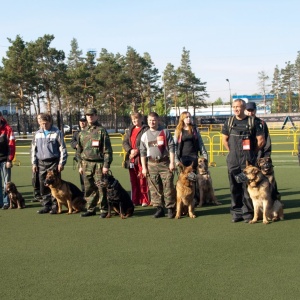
(91, 111)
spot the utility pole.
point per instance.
(230, 100)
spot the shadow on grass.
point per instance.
(292, 215)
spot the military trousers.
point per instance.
(92, 173)
(161, 184)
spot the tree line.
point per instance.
(34, 73)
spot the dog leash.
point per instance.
(153, 185)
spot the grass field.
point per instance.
(68, 257)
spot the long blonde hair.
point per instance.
(181, 124)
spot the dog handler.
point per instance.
(74, 143)
(243, 139)
(158, 163)
(7, 154)
(48, 151)
(95, 155)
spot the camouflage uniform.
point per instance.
(161, 184)
(94, 152)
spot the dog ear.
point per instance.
(248, 163)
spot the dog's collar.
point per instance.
(203, 172)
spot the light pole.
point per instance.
(229, 96)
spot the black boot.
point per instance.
(88, 213)
(171, 213)
(159, 213)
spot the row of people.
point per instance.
(152, 155)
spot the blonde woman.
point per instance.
(188, 141)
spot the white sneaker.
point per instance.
(144, 204)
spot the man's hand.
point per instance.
(8, 165)
(60, 168)
(105, 170)
(34, 169)
(172, 167)
(80, 170)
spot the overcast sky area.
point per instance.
(233, 39)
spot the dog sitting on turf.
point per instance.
(207, 194)
(260, 190)
(117, 198)
(15, 198)
(66, 193)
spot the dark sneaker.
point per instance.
(37, 199)
(235, 220)
(53, 211)
(88, 214)
(159, 213)
(103, 215)
(171, 213)
(44, 210)
(5, 206)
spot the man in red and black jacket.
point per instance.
(7, 154)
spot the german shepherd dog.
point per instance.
(259, 189)
(207, 194)
(15, 198)
(66, 193)
(117, 198)
(185, 192)
(266, 166)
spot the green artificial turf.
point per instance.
(69, 257)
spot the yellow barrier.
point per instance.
(213, 144)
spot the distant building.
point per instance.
(8, 110)
(258, 99)
(213, 110)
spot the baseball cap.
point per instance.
(91, 111)
(82, 119)
(250, 106)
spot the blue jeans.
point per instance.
(5, 175)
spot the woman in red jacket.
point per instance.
(131, 143)
(7, 154)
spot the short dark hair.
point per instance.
(46, 117)
(153, 114)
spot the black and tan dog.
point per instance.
(15, 198)
(265, 164)
(117, 198)
(207, 194)
(259, 189)
(185, 192)
(66, 193)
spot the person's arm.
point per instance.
(126, 141)
(201, 145)
(177, 159)
(172, 161)
(11, 148)
(171, 148)
(62, 150)
(260, 141)
(225, 139)
(74, 140)
(107, 152)
(143, 154)
(144, 165)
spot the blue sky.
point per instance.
(232, 39)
